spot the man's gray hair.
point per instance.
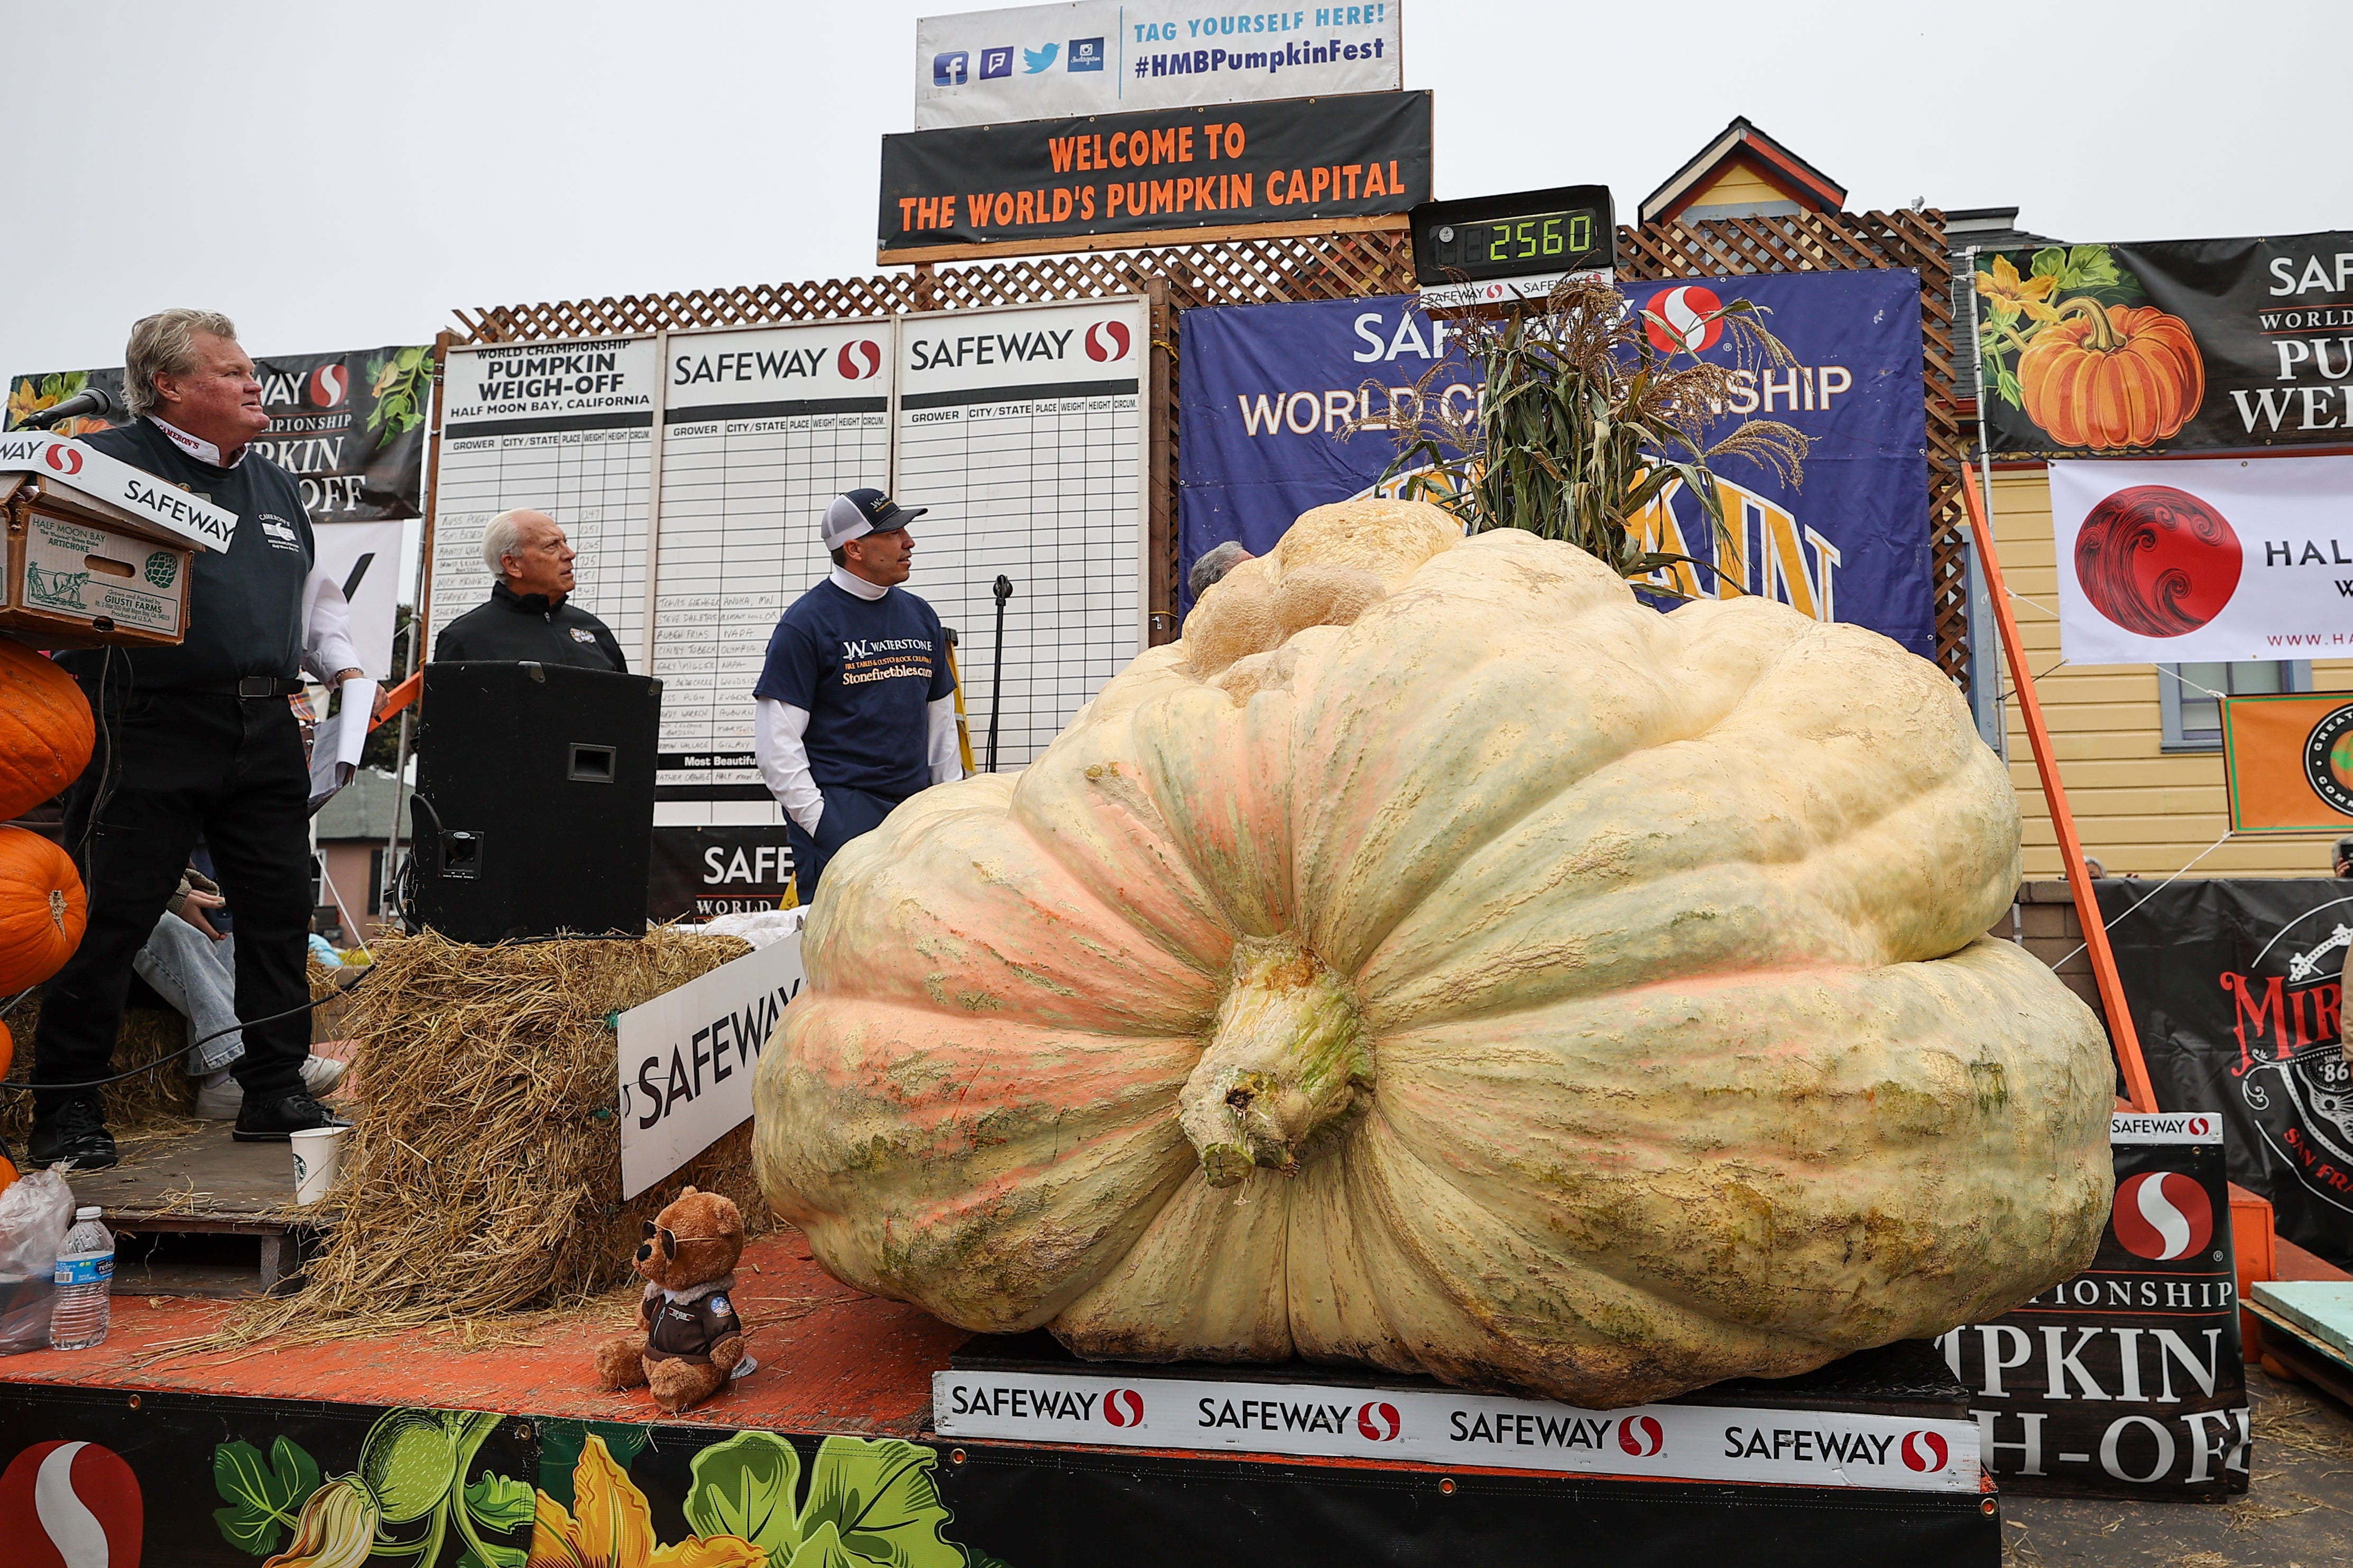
(165, 344)
(1214, 565)
(503, 537)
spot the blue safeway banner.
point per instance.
(1265, 390)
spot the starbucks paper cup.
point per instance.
(318, 1155)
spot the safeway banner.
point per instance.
(1100, 57)
(1355, 155)
(2213, 558)
(2178, 346)
(2126, 1379)
(1267, 389)
(2237, 988)
(686, 1059)
(350, 425)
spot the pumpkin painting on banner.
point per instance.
(2183, 345)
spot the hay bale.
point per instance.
(484, 1175)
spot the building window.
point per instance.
(2190, 696)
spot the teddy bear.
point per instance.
(692, 1344)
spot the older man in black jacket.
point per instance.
(529, 615)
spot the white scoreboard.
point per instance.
(1021, 429)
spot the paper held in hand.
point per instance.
(337, 741)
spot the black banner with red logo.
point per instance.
(2180, 346)
(350, 427)
(699, 872)
(2237, 987)
(1224, 166)
(2127, 1379)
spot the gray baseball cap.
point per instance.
(857, 513)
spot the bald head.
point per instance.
(527, 552)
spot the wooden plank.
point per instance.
(2323, 1308)
(204, 1181)
(1207, 234)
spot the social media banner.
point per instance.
(1041, 62)
(1673, 1442)
(1266, 390)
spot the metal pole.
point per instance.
(1003, 589)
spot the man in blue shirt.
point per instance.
(856, 707)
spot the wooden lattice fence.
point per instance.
(1331, 266)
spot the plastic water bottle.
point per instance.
(85, 1273)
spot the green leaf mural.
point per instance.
(264, 1497)
(502, 1502)
(746, 1487)
(878, 1494)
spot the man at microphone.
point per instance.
(198, 741)
(856, 709)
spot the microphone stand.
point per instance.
(1003, 589)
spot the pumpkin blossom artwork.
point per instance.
(610, 1526)
(2068, 344)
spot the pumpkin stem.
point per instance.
(1287, 1063)
(2104, 338)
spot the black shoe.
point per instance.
(75, 1133)
(278, 1120)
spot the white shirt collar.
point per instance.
(196, 446)
(849, 582)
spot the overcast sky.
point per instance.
(336, 176)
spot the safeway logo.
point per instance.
(860, 360)
(1107, 341)
(2199, 1126)
(2162, 1215)
(329, 384)
(1925, 1452)
(1379, 1422)
(64, 459)
(1641, 1436)
(1123, 1407)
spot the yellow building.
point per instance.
(2139, 747)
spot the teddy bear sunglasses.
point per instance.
(668, 1241)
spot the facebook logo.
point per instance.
(948, 70)
(996, 63)
(1086, 55)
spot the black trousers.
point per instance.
(847, 814)
(169, 766)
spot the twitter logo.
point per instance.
(1036, 60)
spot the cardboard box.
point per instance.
(98, 552)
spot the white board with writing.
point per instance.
(686, 1059)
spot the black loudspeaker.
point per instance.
(534, 807)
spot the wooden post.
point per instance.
(2137, 1089)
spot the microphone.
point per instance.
(95, 400)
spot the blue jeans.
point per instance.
(198, 977)
(847, 814)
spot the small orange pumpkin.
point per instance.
(45, 728)
(41, 908)
(2122, 377)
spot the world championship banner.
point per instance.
(700, 872)
(2237, 988)
(1355, 155)
(1268, 389)
(2178, 346)
(350, 427)
(2127, 1379)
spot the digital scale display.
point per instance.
(1573, 229)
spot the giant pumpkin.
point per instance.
(45, 728)
(1514, 985)
(2112, 378)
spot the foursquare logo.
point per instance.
(949, 69)
(1086, 55)
(996, 63)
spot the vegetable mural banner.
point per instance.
(1266, 390)
(350, 427)
(2237, 988)
(2218, 558)
(2177, 346)
(2126, 1379)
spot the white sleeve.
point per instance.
(944, 754)
(783, 761)
(327, 648)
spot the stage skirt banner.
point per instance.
(2185, 345)
(1267, 390)
(2213, 558)
(686, 1059)
(350, 427)
(699, 872)
(1100, 57)
(2288, 758)
(2236, 987)
(1299, 160)
(2126, 1379)
(1451, 1426)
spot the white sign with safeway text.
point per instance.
(687, 1057)
(1674, 1442)
(159, 503)
(1109, 56)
